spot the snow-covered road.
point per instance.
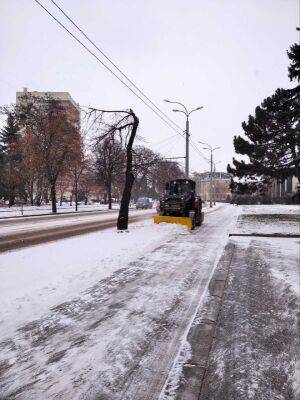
(36, 230)
(37, 223)
(19, 211)
(101, 315)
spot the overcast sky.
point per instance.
(225, 55)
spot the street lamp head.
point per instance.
(167, 101)
(199, 108)
(177, 110)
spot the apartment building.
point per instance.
(64, 98)
(220, 185)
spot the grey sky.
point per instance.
(225, 55)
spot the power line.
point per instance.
(195, 147)
(110, 60)
(165, 140)
(167, 121)
(107, 67)
(171, 147)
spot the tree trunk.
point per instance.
(31, 194)
(122, 223)
(11, 200)
(53, 197)
(76, 195)
(46, 196)
(109, 196)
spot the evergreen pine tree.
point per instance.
(294, 56)
(272, 141)
(9, 133)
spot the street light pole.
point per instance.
(211, 171)
(187, 143)
(210, 184)
(187, 131)
(214, 181)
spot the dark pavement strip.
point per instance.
(274, 235)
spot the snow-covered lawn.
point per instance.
(275, 218)
(271, 209)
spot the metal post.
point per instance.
(187, 135)
(211, 171)
(214, 184)
(187, 113)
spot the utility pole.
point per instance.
(187, 142)
(214, 181)
(210, 183)
(187, 131)
(211, 170)
(214, 184)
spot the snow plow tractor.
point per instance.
(180, 204)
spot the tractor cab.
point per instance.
(179, 198)
(180, 205)
(180, 187)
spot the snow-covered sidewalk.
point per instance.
(102, 315)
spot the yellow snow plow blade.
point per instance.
(174, 220)
(186, 221)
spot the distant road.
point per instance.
(42, 212)
(4, 221)
(24, 232)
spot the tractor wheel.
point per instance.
(197, 218)
(193, 223)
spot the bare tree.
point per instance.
(55, 136)
(77, 169)
(87, 181)
(145, 166)
(166, 171)
(63, 183)
(124, 123)
(109, 162)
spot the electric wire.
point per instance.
(110, 60)
(180, 132)
(109, 69)
(164, 140)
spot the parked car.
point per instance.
(143, 203)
